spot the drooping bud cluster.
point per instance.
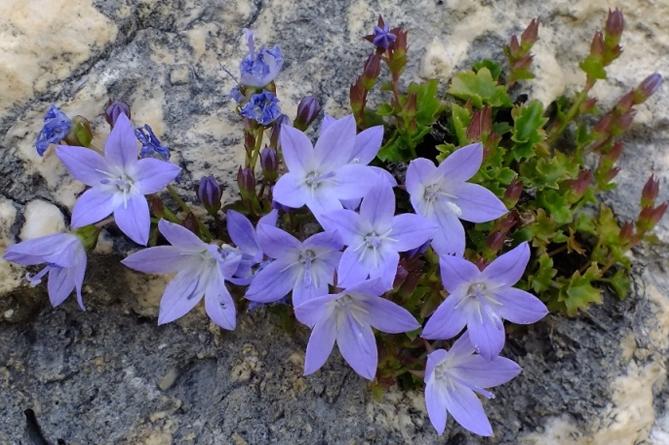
(518, 53)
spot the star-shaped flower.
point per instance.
(454, 377)
(375, 236)
(321, 176)
(480, 300)
(118, 181)
(348, 318)
(65, 259)
(441, 194)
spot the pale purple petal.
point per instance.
(84, 164)
(486, 332)
(121, 145)
(519, 306)
(350, 270)
(276, 243)
(466, 408)
(93, 206)
(368, 288)
(325, 123)
(378, 206)
(462, 347)
(219, 305)
(321, 342)
(383, 176)
(157, 260)
(290, 191)
(315, 309)
(433, 359)
(243, 234)
(462, 164)
(456, 271)
(436, 407)
(323, 201)
(269, 218)
(449, 238)
(389, 317)
(420, 172)
(345, 223)
(272, 283)
(367, 145)
(487, 373)
(386, 269)
(335, 145)
(357, 345)
(304, 292)
(411, 231)
(180, 296)
(78, 271)
(478, 204)
(447, 321)
(298, 153)
(54, 249)
(153, 175)
(323, 240)
(507, 269)
(180, 237)
(354, 181)
(134, 219)
(59, 285)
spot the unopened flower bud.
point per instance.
(615, 151)
(80, 133)
(530, 35)
(307, 110)
(276, 130)
(269, 164)
(614, 25)
(513, 192)
(650, 191)
(372, 67)
(647, 87)
(209, 192)
(612, 174)
(246, 181)
(114, 109)
(597, 45)
(495, 241)
(650, 216)
(627, 232)
(581, 183)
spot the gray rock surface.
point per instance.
(110, 375)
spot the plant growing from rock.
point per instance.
(428, 215)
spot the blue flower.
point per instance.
(151, 146)
(56, 126)
(259, 68)
(262, 108)
(382, 37)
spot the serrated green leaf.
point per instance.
(542, 278)
(620, 283)
(556, 204)
(579, 293)
(460, 118)
(480, 88)
(528, 130)
(494, 67)
(427, 102)
(548, 172)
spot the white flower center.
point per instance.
(315, 179)
(435, 193)
(121, 182)
(373, 242)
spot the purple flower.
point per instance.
(322, 176)
(382, 37)
(480, 300)
(262, 108)
(243, 234)
(114, 109)
(65, 259)
(454, 377)
(201, 271)
(375, 237)
(118, 181)
(348, 318)
(259, 68)
(151, 146)
(55, 128)
(306, 268)
(442, 195)
(209, 193)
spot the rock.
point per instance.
(110, 375)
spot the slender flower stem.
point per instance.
(256, 148)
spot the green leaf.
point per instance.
(579, 293)
(480, 88)
(556, 204)
(494, 67)
(548, 172)
(542, 278)
(460, 118)
(528, 130)
(620, 283)
(428, 104)
(593, 67)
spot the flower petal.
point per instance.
(60, 285)
(152, 175)
(383, 176)
(411, 231)
(272, 283)
(243, 234)
(507, 269)
(457, 271)
(321, 342)
(121, 145)
(487, 373)
(420, 172)
(289, 191)
(467, 410)
(335, 144)
(477, 203)
(367, 145)
(449, 238)
(134, 219)
(93, 206)
(378, 206)
(357, 345)
(354, 181)
(84, 164)
(519, 306)
(323, 201)
(298, 153)
(486, 332)
(276, 243)
(447, 321)
(385, 269)
(180, 296)
(219, 305)
(78, 270)
(312, 311)
(55, 248)
(303, 292)
(157, 260)
(462, 164)
(436, 407)
(180, 237)
(345, 223)
(350, 270)
(389, 317)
